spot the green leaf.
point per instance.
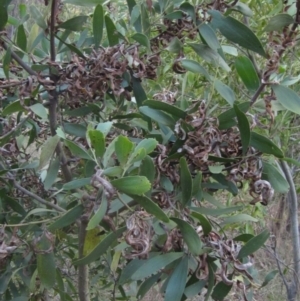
(101, 248)
(230, 186)
(21, 38)
(254, 244)
(147, 169)
(142, 40)
(177, 281)
(3, 13)
(98, 23)
(154, 264)
(269, 277)
(278, 22)
(123, 148)
(244, 128)
(39, 110)
(48, 150)
(147, 285)
(209, 35)
(112, 33)
(237, 32)
(287, 98)
(158, 116)
(138, 91)
(189, 235)
(275, 177)
(265, 145)
(97, 142)
(45, 262)
(221, 290)
(145, 20)
(6, 62)
(203, 222)
(77, 150)
(225, 91)
(52, 173)
(75, 129)
(239, 218)
(149, 144)
(109, 152)
(216, 169)
(38, 17)
(74, 24)
(76, 183)
(210, 55)
(132, 185)
(98, 216)
(151, 207)
(175, 45)
(243, 237)
(13, 108)
(216, 212)
(68, 218)
(194, 67)
(163, 106)
(247, 73)
(186, 182)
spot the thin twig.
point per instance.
(20, 124)
(37, 198)
(257, 93)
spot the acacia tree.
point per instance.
(121, 135)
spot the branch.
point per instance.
(52, 30)
(83, 270)
(257, 93)
(293, 207)
(19, 61)
(37, 198)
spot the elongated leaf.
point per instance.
(138, 91)
(74, 24)
(76, 183)
(269, 277)
(98, 216)
(244, 128)
(203, 221)
(158, 116)
(147, 285)
(77, 130)
(98, 23)
(208, 34)
(278, 22)
(221, 290)
(154, 264)
(288, 98)
(151, 207)
(210, 55)
(101, 248)
(123, 148)
(189, 235)
(97, 142)
(21, 38)
(86, 3)
(48, 150)
(239, 218)
(77, 150)
(163, 106)
(237, 32)
(6, 62)
(52, 173)
(148, 144)
(38, 17)
(247, 73)
(39, 110)
(132, 185)
(216, 212)
(265, 145)
(275, 177)
(254, 244)
(194, 67)
(112, 33)
(45, 262)
(67, 219)
(145, 20)
(3, 13)
(147, 169)
(186, 182)
(225, 91)
(13, 108)
(230, 186)
(142, 39)
(177, 281)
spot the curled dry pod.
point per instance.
(43, 247)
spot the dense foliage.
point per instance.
(126, 134)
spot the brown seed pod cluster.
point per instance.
(205, 145)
